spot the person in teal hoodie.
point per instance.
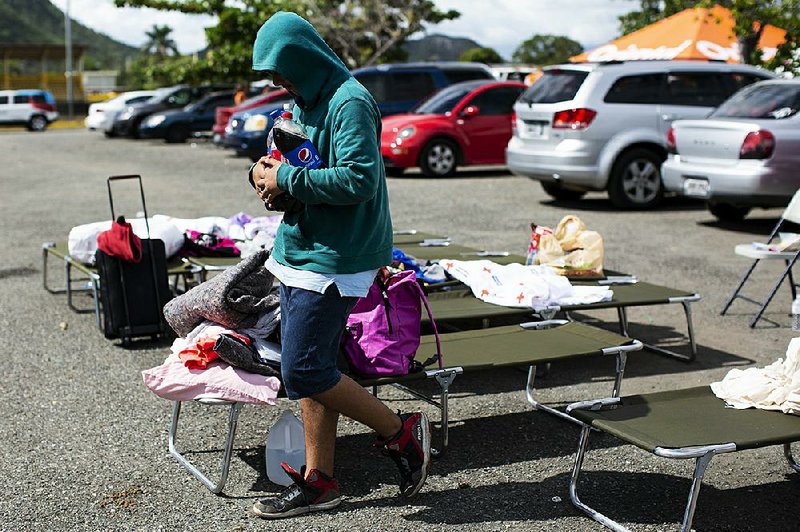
(326, 255)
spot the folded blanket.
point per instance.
(518, 285)
(775, 387)
(236, 298)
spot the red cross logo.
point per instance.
(449, 266)
(520, 297)
(487, 270)
(484, 292)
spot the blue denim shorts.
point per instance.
(311, 331)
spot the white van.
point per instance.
(32, 107)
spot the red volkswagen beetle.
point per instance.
(466, 123)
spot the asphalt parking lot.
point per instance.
(84, 444)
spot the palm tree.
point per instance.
(159, 43)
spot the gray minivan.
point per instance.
(603, 126)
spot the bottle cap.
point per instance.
(287, 115)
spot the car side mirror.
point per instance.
(470, 110)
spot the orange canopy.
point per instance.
(697, 33)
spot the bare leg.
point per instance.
(321, 415)
(320, 435)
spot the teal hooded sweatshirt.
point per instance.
(345, 226)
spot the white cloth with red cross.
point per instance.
(519, 285)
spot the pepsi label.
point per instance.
(305, 156)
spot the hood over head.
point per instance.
(289, 45)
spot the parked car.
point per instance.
(177, 97)
(397, 88)
(602, 126)
(247, 130)
(177, 125)
(34, 108)
(745, 155)
(101, 115)
(224, 113)
(466, 123)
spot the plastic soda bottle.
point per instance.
(796, 314)
(291, 142)
(285, 443)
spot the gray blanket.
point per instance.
(235, 298)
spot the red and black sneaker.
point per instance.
(411, 451)
(313, 493)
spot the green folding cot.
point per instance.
(679, 424)
(455, 251)
(458, 307)
(177, 269)
(526, 344)
(212, 264)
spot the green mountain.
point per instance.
(438, 48)
(40, 22)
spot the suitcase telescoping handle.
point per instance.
(149, 244)
(141, 194)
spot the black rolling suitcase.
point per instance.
(134, 294)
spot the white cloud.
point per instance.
(504, 24)
(129, 24)
(499, 24)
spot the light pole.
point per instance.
(68, 73)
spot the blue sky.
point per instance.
(500, 24)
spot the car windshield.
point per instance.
(555, 86)
(443, 101)
(770, 101)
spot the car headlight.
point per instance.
(256, 123)
(155, 120)
(403, 134)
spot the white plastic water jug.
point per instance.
(285, 443)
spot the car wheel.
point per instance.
(177, 133)
(439, 158)
(555, 190)
(37, 123)
(726, 212)
(110, 133)
(635, 181)
(393, 171)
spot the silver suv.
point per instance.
(603, 126)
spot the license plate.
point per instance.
(534, 129)
(697, 188)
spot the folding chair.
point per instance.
(679, 424)
(526, 344)
(792, 215)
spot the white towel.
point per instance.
(775, 387)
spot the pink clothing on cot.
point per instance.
(172, 380)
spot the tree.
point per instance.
(361, 32)
(481, 55)
(159, 43)
(546, 50)
(652, 11)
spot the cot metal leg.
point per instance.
(787, 452)
(233, 416)
(444, 377)
(739, 287)
(45, 255)
(686, 302)
(700, 466)
(573, 485)
(621, 360)
(776, 286)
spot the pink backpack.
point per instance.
(383, 330)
